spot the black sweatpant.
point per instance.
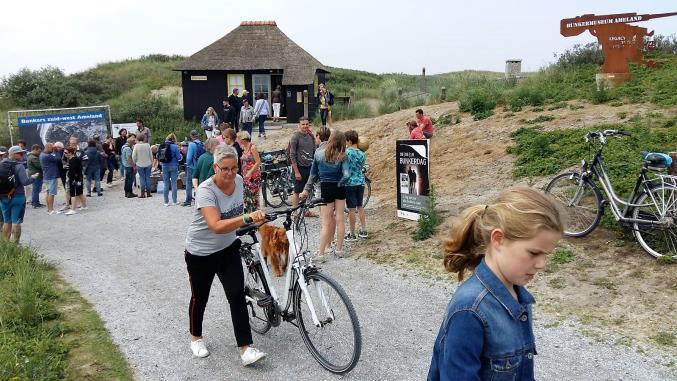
(228, 266)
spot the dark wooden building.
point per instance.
(255, 56)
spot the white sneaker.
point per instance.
(52, 212)
(168, 204)
(251, 355)
(83, 208)
(199, 348)
(70, 212)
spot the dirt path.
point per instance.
(125, 257)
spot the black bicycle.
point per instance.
(312, 301)
(277, 182)
(650, 211)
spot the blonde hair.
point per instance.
(244, 135)
(224, 126)
(171, 137)
(210, 144)
(335, 151)
(519, 212)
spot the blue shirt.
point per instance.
(50, 165)
(355, 159)
(486, 334)
(192, 154)
(125, 155)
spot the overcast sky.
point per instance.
(377, 36)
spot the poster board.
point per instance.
(116, 127)
(412, 177)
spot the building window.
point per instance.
(235, 81)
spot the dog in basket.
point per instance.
(275, 247)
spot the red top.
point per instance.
(425, 124)
(416, 133)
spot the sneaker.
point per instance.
(83, 208)
(339, 253)
(70, 212)
(199, 348)
(350, 237)
(89, 195)
(51, 212)
(168, 204)
(99, 194)
(319, 258)
(186, 204)
(363, 234)
(251, 355)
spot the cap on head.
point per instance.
(16, 149)
(194, 133)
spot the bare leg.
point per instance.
(363, 218)
(351, 220)
(340, 223)
(83, 201)
(73, 203)
(16, 232)
(6, 231)
(326, 231)
(50, 202)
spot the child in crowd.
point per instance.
(415, 131)
(355, 186)
(487, 333)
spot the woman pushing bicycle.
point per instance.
(212, 248)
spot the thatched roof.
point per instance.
(257, 45)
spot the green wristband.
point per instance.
(246, 218)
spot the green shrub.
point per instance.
(429, 219)
(538, 119)
(29, 338)
(358, 109)
(562, 256)
(480, 102)
(581, 55)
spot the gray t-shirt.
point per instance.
(302, 149)
(199, 239)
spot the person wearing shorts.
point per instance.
(75, 181)
(331, 167)
(13, 206)
(301, 152)
(355, 186)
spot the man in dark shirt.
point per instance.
(277, 102)
(13, 206)
(236, 103)
(228, 114)
(301, 154)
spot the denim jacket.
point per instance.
(486, 334)
(327, 172)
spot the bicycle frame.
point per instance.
(295, 273)
(597, 169)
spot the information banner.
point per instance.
(41, 129)
(412, 177)
(130, 127)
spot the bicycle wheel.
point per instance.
(255, 290)
(337, 343)
(582, 205)
(270, 188)
(659, 206)
(286, 187)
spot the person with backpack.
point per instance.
(127, 161)
(143, 159)
(195, 150)
(33, 165)
(169, 156)
(93, 169)
(13, 179)
(325, 100)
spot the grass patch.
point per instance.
(538, 119)
(429, 219)
(562, 256)
(664, 338)
(39, 337)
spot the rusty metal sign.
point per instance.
(621, 42)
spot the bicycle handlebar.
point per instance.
(272, 216)
(602, 134)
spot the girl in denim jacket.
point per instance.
(486, 333)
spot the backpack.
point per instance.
(199, 150)
(164, 153)
(8, 179)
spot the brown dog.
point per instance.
(275, 247)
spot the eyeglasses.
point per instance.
(226, 169)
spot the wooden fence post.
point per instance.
(399, 97)
(305, 103)
(352, 96)
(443, 96)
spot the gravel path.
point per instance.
(126, 258)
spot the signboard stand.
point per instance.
(412, 177)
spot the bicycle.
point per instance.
(276, 178)
(650, 211)
(312, 301)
